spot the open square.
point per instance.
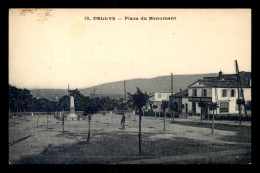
(184, 141)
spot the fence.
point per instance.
(22, 114)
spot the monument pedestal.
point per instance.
(72, 115)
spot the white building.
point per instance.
(158, 97)
(221, 89)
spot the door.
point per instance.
(186, 108)
(194, 107)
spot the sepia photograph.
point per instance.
(129, 86)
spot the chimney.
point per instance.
(220, 74)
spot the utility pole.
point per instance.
(124, 92)
(171, 98)
(68, 89)
(242, 93)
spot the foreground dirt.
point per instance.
(110, 144)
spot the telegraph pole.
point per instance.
(68, 89)
(171, 98)
(124, 92)
(242, 93)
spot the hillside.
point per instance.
(160, 84)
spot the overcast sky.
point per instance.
(65, 48)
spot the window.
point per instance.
(223, 107)
(232, 93)
(204, 93)
(194, 92)
(159, 95)
(224, 93)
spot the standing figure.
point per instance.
(123, 121)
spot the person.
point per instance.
(123, 121)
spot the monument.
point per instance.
(71, 115)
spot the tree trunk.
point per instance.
(212, 130)
(88, 139)
(63, 123)
(155, 114)
(37, 118)
(239, 109)
(134, 117)
(201, 115)
(173, 116)
(164, 120)
(47, 122)
(140, 130)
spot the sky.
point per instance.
(60, 48)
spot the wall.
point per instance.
(184, 101)
(229, 99)
(164, 96)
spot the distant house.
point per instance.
(158, 97)
(181, 98)
(221, 89)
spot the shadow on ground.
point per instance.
(107, 148)
(243, 132)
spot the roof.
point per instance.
(220, 83)
(225, 81)
(183, 93)
(244, 76)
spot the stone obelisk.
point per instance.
(71, 114)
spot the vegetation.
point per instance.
(91, 107)
(21, 100)
(139, 100)
(213, 106)
(164, 106)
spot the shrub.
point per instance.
(231, 117)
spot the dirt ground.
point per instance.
(185, 141)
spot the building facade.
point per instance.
(182, 103)
(221, 89)
(158, 97)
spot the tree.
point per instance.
(213, 106)
(173, 107)
(164, 106)
(139, 101)
(64, 103)
(91, 107)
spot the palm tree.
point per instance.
(139, 101)
(164, 106)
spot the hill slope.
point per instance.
(160, 84)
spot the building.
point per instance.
(158, 97)
(221, 89)
(182, 103)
